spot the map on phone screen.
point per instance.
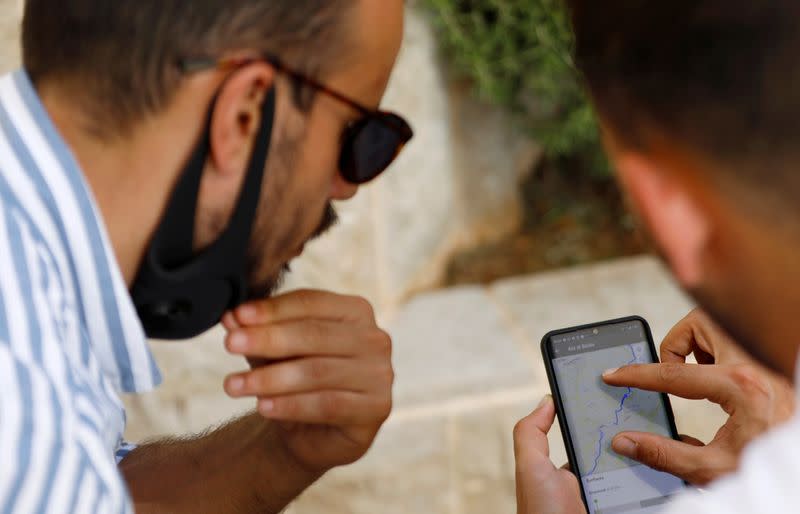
(596, 413)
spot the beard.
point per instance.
(266, 287)
(738, 327)
(728, 315)
(266, 240)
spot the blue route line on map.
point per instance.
(625, 396)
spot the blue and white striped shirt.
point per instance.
(70, 339)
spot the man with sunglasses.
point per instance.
(160, 164)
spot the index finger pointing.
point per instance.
(691, 381)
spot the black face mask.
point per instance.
(179, 294)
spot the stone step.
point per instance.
(468, 368)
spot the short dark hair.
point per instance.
(719, 77)
(119, 57)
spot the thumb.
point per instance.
(686, 461)
(530, 434)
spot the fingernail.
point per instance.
(229, 320)
(266, 406)
(238, 341)
(247, 313)
(624, 446)
(609, 372)
(545, 401)
(236, 384)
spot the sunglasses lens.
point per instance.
(371, 145)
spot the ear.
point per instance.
(237, 118)
(672, 213)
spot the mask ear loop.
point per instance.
(177, 292)
(174, 241)
(240, 227)
(173, 244)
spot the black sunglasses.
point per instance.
(369, 144)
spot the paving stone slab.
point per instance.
(454, 343)
(484, 456)
(407, 470)
(625, 287)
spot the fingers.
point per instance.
(338, 408)
(691, 381)
(229, 321)
(530, 434)
(698, 334)
(687, 337)
(308, 375)
(290, 339)
(695, 464)
(305, 304)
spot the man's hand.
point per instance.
(321, 368)
(541, 487)
(754, 397)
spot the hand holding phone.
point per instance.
(541, 487)
(591, 413)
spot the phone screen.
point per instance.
(595, 412)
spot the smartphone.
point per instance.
(591, 413)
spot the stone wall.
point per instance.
(10, 13)
(454, 187)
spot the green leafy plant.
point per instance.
(518, 53)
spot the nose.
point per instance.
(342, 189)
